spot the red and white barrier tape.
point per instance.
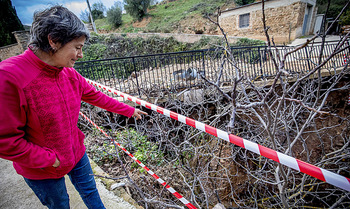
(301, 166)
(345, 60)
(169, 188)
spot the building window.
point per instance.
(244, 20)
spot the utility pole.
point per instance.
(92, 20)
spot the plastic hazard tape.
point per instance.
(161, 181)
(345, 59)
(301, 166)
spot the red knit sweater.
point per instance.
(39, 111)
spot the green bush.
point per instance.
(345, 18)
(114, 16)
(112, 46)
(137, 8)
(9, 22)
(97, 10)
(134, 142)
(206, 42)
(102, 154)
(244, 2)
(145, 151)
(94, 52)
(249, 42)
(103, 24)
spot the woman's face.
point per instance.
(67, 55)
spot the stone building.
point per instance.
(287, 20)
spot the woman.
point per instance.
(40, 98)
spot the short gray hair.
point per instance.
(57, 22)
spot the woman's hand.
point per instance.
(137, 114)
(57, 163)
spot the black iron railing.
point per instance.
(175, 71)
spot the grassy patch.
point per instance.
(166, 17)
(102, 24)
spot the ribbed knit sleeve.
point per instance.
(99, 99)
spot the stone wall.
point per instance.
(285, 21)
(9, 51)
(22, 38)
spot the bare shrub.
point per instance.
(304, 115)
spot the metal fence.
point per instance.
(175, 71)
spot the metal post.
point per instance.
(137, 80)
(259, 53)
(92, 20)
(203, 54)
(307, 57)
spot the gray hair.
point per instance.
(57, 22)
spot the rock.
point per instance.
(193, 96)
(116, 185)
(219, 206)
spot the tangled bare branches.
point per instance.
(304, 115)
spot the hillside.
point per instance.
(172, 16)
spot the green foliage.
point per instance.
(206, 42)
(249, 42)
(244, 2)
(166, 17)
(137, 8)
(102, 154)
(334, 8)
(112, 46)
(102, 24)
(97, 10)
(114, 15)
(204, 8)
(9, 22)
(85, 16)
(252, 55)
(145, 151)
(345, 18)
(94, 52)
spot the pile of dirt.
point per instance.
(143, 23)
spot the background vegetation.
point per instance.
(335, 7)
(112, 46)
(137, 8)
(114, 15)
(9, 22)
(172, 16)
(167, 15)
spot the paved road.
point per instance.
(300, 41)
(15, 193)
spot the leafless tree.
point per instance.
(303, 114)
